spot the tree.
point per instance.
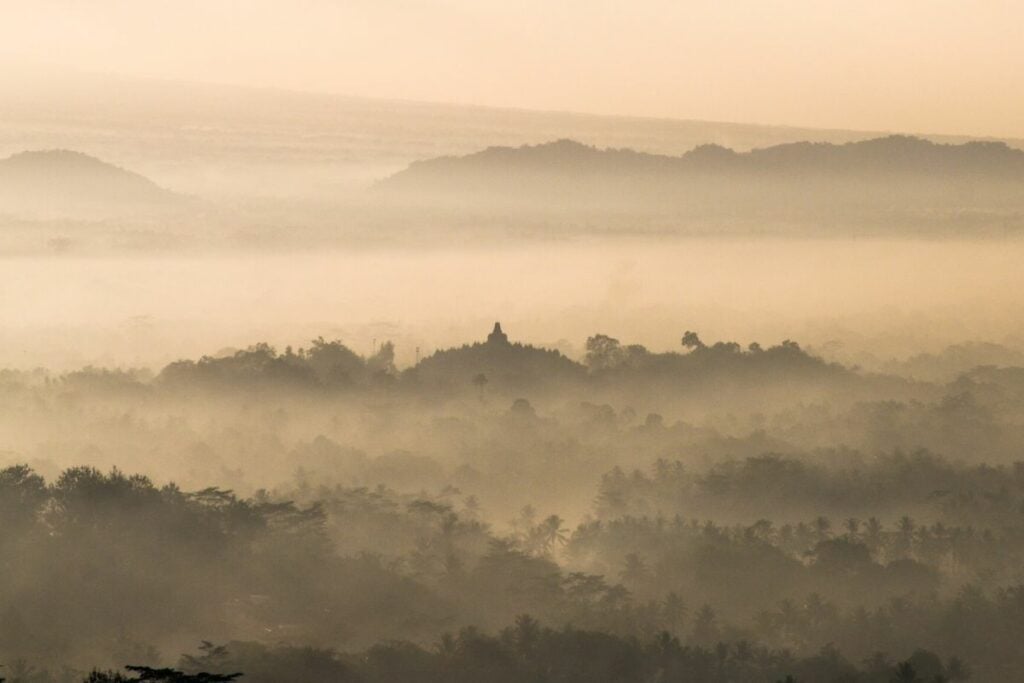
(692, 341)
(852, 527)
(906, 528)
(548, 533)
(480, 381)
(635, 570)
(873, 533)
(522, 408)
(145, 673)
(384, 360)
(705, 627)
(603, 352)
(526, 634)
(822, 528)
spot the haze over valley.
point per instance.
(448, 342)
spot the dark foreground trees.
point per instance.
(101, 568)
(527, 652)
(164, 675)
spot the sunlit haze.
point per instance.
(480, 341)
(946, 66)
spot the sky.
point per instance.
(935, 66)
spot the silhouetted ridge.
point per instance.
(884, 185)
(896, 152)
(54, 158)
(494, 366)
(65, 181)
(880, 155)
(496, 362)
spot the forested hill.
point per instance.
(751, 378)
(500, 365)
(893, 154)
(891, 184)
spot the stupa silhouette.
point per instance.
(497, 337)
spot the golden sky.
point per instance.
(936, 66)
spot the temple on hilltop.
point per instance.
(497, 337)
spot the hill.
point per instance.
(900, 181)
(212, 140)
(896, 153)
(63, 183)
(498, 363)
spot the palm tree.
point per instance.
(873, 533)
(852, 528)
(906, 525)
(523, 524)
(906, 528)
(822, 528)
(549, 533)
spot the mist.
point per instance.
(147, 310)
(912, 66)
(401, 342)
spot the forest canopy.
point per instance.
(716, 513)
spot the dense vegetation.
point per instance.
(500, 512)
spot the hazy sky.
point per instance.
(914, 65)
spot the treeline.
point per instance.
(383, 576)
(323, 364)
(528, 652)
(110, 563)
(492, 366)
(833, 482)
(614, 500)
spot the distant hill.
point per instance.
(495, 365)
(212, 140)
(880, 156)
(68, 184)
(895, 180)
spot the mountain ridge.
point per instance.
(896, 184)
(895, 152)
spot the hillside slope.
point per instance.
(64, 183)
(893, 183)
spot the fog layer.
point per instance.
(857, 299)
